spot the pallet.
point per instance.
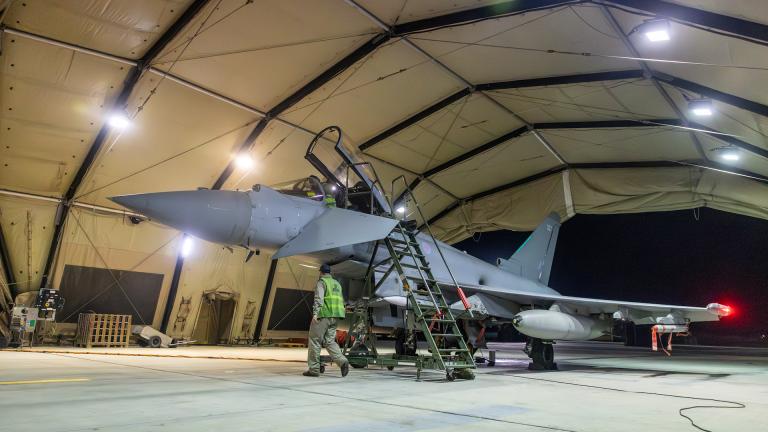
(290, 345)
(103, 330)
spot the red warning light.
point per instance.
(720, 310)
(726, 311)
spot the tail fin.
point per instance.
(533, 260)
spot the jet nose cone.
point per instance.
(214, 215)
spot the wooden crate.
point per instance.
(103, 330)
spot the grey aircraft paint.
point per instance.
(290, 223)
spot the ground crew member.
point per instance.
(329, 191)
(326, 311)
(329, 201)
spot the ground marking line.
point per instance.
(45, 381)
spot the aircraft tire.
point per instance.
(543, 355)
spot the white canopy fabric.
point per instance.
(496, 112)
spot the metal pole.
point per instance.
(5, 257)
(174, 288)
(264, 301)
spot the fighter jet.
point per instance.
(296, 219)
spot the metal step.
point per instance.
(407, 253)
(442, 320)
(420, 279)
(398, 241)
(426, 293)
(414, 266)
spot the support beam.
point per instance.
(686, 14)
(726, 98)
(608, 124)
(732, 140)
(535, 82)
(462, 80)
(497, 10)
(521, 182)
(598, 124)
(128, 85)
(702, 164)
(562, 80)
(5, 257)
(174, 288)
(322, 79)
(415, 118)
(463, 157)
(264, 301)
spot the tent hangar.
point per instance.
(496, 112)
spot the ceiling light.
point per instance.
(701, 107)
(657, 35)
(655, 30)
(730, 155)
(400, 210)
(187, 246)
(119, 121)
(244, 161)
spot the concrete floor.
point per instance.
(601, 387)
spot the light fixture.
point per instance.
(400, 210)
(244, 161)
(187, 246)
(730, 155)
(333, 188)
(656, 30)
(701, 107)
(119, 121)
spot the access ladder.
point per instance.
(431, 310)
(427, 309)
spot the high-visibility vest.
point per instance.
(329, 201)
(333, 301)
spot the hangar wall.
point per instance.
(111, 241)
(28, 226)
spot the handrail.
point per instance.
(408, 190)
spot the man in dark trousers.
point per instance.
(328, 308)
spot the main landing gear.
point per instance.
(541, 353)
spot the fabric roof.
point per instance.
(481, 105)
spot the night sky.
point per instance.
(665, 257)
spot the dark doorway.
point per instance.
(214, 321)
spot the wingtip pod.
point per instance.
(720, 310)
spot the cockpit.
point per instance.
(310, 187)
(348, 184)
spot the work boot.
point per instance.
(311, 373)
(345, 369)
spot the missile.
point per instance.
(259, 219)
(553, 325)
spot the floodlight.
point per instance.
(187, 246)
(400, 210)
(119, 121)
(244, 161)
(730, 155)
(701, 107)
(655, 30)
